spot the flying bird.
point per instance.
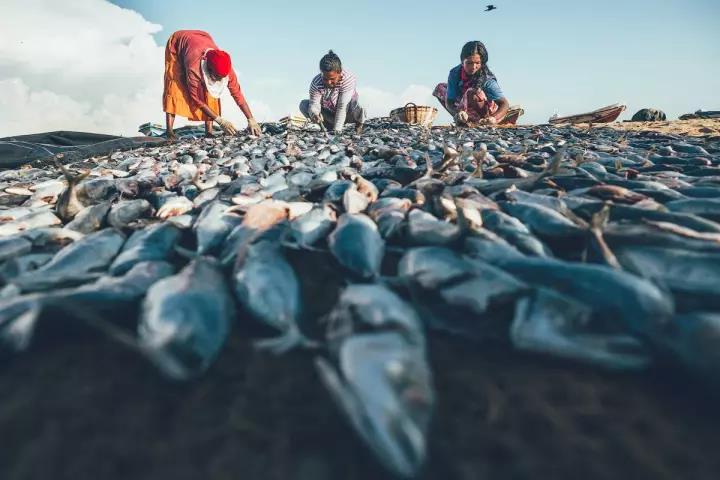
(490, 8)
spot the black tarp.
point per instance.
(21, 149)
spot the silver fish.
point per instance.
(185, 320)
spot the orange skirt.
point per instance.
(176, 98)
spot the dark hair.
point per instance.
(330, 63)
(476, 47)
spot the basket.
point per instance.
(415, 114)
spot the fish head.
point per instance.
(383, 386)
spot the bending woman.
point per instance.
(472, 94)
(196, 74)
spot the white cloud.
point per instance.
(379, 103)
(89, 65)
(78, 65)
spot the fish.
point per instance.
(514, 232)
(357, 245)
(125, 212)
(93, 303)
(174, 206)
(213, 225)
(68, 204)
(268, 289)
(14, 246)
(90, 219)
(460, 295)
(37, 219)
(384, 387)
(625, 303)
(692, 340)
(379, 376)
(79, 262)
(155, 243)
(692, 276)
(310, 228)
(548, 322)
(185, 320)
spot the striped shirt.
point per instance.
(334, 99)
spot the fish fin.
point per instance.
(554, 166)
(346, 400)
(462, 222)
(393, 282)
(597, 224)
(112, 331)
(71, 178)
(165, 362)
(394, 249)
(428, 166)
(551, 169)
(186, 252)
(292, 245)
(310, 248)
(299, 246)
(286, 342)
(16, 334)
(600, 219)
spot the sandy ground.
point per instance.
(692, 128)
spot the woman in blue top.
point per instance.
(472, 94)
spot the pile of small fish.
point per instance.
(595, 246)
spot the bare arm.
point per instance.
(236, 93)
(503, 107)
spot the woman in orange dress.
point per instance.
(196, 74)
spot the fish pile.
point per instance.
(599, 247)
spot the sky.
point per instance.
(97, 66)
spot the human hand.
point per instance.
(461, 117)
(254, 127)
(226, 125)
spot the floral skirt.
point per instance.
(473, 102)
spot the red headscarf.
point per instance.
(218, 61)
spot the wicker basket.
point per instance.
(415, 114)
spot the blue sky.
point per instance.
(563, 55)
(97, 66)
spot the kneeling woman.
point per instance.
(333, 97)
(472, 94)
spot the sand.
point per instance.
(692, 128)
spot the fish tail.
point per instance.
(16, 334)
(71, 178)
(428, 166)
(186, 252)
(462, 221)
(598, 222)
(286, 342)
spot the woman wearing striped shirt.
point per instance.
(333, 97)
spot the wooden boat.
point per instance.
(512, 116)
(701, 114)
(602, 115)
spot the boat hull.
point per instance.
(602, 115)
